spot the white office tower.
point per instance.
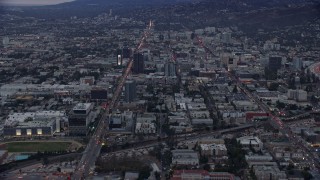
(58, 125)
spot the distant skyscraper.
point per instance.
(138, 63)
(110, 12)
(297, 63)
(130, 91)
(274, 63)
(170, 69)
(119, 57)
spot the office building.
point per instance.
(250, 141)
(268, 172)
(89, 80)
(298, 95)
(274, 63)
(121, 122)
(297, 63)
(99, 94)
(130, 91)
(185, 157)
(119, 57)
(79, 119)
(138, 63)
(170, 69)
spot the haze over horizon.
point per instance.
(32, 2)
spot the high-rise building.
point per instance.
(79, 119)
(297, 63)
(275, 63)
(170, 69)
(119, 57)
(130, 91)
(138, 63)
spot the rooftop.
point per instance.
(36, 118)
(82, 106)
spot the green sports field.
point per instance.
(37, 146)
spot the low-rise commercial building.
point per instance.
(41, 123)
(185, 157)
(201, 174)
(213, 150)
(250, 142)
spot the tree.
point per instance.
(269, 74)
(157, 175)
(235, 89)
(45, 161)
(290, 167)
(207, 167)
(280, 105)
(309, 88)
(236, 155)
(253, 176)
(306, 175)
(293, 107)
(314, 99)
(140, 137)
(303, 79)
(167, 158)
(203, 160)
(193, 35)
(308, 108)
(273, 86)
(144, 173)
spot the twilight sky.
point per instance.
(32, 2)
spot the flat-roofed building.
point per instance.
(213, 149)
(40, 123)
(254, 142)
(201, 174)
(79, 119)
(185, 157)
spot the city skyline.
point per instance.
(160, 89)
